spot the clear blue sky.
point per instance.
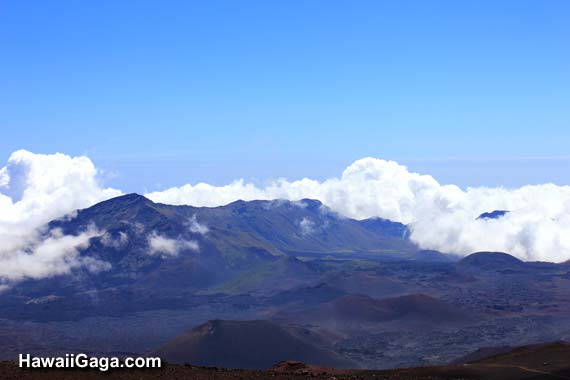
(164, 93)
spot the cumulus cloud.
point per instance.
(35, 189)
(164, 246)
(4, 177)
(51, 255)
(442, 217)
(368, 188)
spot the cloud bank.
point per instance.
(440, 217)
(54, 254)
(35, 189)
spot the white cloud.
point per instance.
(115, 242)
(51, 255)
(35, 189)
(196, 227)
(4, 177)
(367, 188)
(163, 246)
(441, 217)
(307, 226)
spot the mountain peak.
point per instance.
(128, 207)
(311, 204)
(127, 200)
(132, 197)
(496, 214)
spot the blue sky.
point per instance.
(165, 93)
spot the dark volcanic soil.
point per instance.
(495, 370)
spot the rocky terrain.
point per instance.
(548, 361)
(331, 291)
